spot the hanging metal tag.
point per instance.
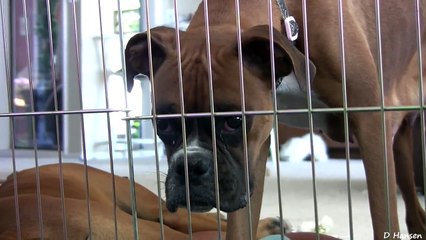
(291, 28)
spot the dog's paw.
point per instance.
(272, 225)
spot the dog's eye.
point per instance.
(164, 126)
(232, 124)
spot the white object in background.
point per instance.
(298, 148)
(324, 225)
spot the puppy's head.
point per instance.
(200, 146)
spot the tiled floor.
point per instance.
(296, 188)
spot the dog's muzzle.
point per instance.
(201, 184)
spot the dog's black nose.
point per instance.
(199, 165)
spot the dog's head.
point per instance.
(183, 77)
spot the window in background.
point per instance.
(35, 86)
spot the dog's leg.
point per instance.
(199, 221)
(238, 220)
(415, 215)
(147, 208)
(369, 138)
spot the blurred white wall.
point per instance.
(93, 78)
(90, 68)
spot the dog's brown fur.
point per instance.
(400, 84)
(99, 197)
(400, 80)
(401, 87)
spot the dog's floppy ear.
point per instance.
(256, 55)
(137, 52)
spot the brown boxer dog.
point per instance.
(181, 74)
(103, 210)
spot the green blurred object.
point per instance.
(136, 129)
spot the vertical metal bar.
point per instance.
(182, 108)
(345, 117)
(108, 115)
(154, 118)
(33, 124)
(123, 61)
(212, 117)
(132, 180)
(128, 128)
(275, 115)
(57, 129)
(382, 111)
(80, 95)
(12, 124)
(309, 97)
(421, 88)
(244, 117)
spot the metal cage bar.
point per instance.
(345, 116)
(310, 119)
(154, 116)
(244, 116)
(56, 104)
(128, 131)
(108, 116)
(382, 112)
(274, 133)
(9, 93)
(33, 124)
(212, 115)
(80, 97)
(310, 111)
(421, 89)
(182, 117)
